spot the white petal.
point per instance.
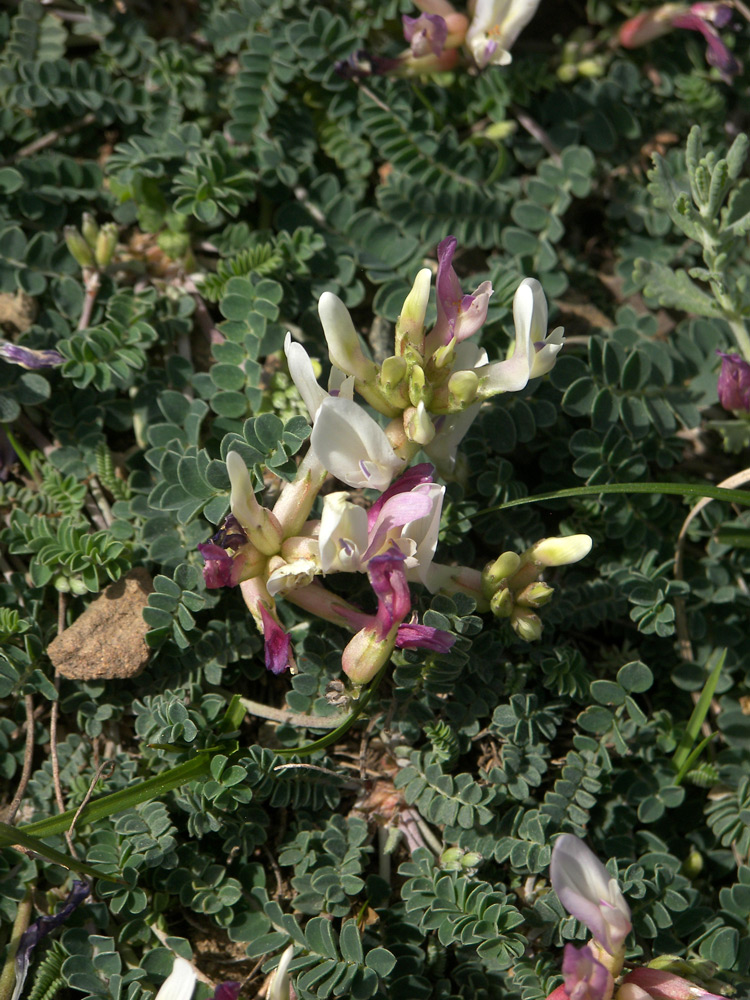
(180, 982)
(424, 532)
(303, 376)
(297, 573)
(280, 984)
(344, 347)
(343, 534)
(352, 446)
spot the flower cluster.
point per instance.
(428, 393)
(705, 17)
(588, 892)
(440, 33)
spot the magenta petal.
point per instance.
(417, 474)
(29, 358)
(227, 991)
(717, 54)
(388, 579)
(277, 642)
(217, 571)
(733, 384)
(585, 978)
(395, 513)
(412, 636)
(426, 33)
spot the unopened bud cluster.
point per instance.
(93, 246)
(512, 583)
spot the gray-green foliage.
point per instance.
(245, 177)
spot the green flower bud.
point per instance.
(535, 595)
(494, 573)
(419, 391)
(445, 356)
(78, 247)
(410, 324)
(462, 389)
(450, 859)
(501, 604)
(106, 242)
(90, 229)
(692, 866)
(526, 624)
(392, 372)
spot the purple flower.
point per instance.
(426, 33)
(388, 578)
(227, 991)
(26, 357)
(42, 926)
(733, 385)
(585, 978)
(220, 569)
(413, 636)
(414, 476)
(458, 315)
(701, 19)
(278, 645)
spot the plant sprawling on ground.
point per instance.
(285, 665)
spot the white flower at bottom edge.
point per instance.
(180, 982)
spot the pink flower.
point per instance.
(426, 33)
(705, 17)
(413, 636)
(458, 315)
(659, 984)
(588, 892)
(585, 978)
(278, 645)
(733, 385)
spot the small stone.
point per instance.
(107, 641)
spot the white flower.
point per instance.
(352, 446)
(533, 355)
(303, 376)
(180, 982)
(343, 534)
(344, 348)
(560, 551)
(588, 892)
(495, 27)
(280, 983)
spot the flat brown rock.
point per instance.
(107, 640)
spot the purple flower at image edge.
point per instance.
(29, 358)
(733, 384)
(717, 53)
(278, 645)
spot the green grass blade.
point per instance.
(682, 753)
(12, 835)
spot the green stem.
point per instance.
(20, 925)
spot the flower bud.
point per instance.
(78, 247)
(501, 604)
(526, 624)
(418, 425)
(90, 229)
(344, 347)
(410, 324)
(419, 391)
(260, 525)
(494, 573)
(105, 245)
(366, 653)
(392, 372)
(536, 595)
(445, 355)
(559, 551)
(462, 389)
